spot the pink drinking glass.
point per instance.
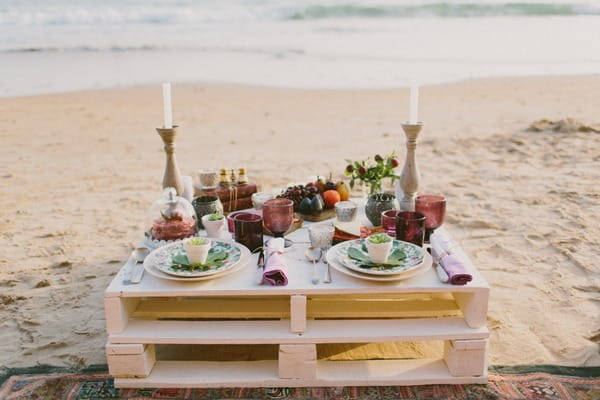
(278, 216)
(388, 221)
(248, 230)
(410, 227)
(231, 218)
(433, 206)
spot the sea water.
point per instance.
(62, 45)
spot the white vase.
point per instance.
(379, 252)
(213, 228)
(196, 254)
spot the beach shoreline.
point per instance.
(80, 170)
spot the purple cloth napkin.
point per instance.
(458, 274)
(276, 264)
(442, 250)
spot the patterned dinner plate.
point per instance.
(412, 257)
(335, 264)
(161, 259)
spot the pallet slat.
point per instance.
(317, 331)
(214, 308)
(177, 374)
(399, 306)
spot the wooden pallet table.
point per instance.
(299, 317)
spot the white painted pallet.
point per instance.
(296, 317)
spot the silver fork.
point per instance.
(327, 271)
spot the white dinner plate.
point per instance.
(155, 264)
(414, 257)
(335, 264)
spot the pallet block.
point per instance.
(130, 360)
(466, 357)
(297, 361)
(297, 314)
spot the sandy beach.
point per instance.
(79, 171)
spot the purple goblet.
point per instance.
(433, 206)
(278, 216)
(410, 227)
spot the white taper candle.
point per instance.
(168, 111)
(414, 105)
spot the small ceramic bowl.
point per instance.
(346, 211)
(258, 199)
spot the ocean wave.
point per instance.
(284, 51)
(443, 10)
(77, 49)
(161, 12)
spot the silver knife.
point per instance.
(128, 270)
(261, 266)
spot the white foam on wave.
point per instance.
(115, 12)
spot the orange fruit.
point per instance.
(330, 197)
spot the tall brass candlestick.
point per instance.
(172, 177)
(409, 178)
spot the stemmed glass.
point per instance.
(278, 216)
(433, 206)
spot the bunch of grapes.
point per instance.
(297, 193)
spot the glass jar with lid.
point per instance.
(171, 217)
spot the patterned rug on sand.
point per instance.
(532, 382)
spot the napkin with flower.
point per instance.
(276, 264)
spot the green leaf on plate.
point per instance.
(395, 258)
(215, 259)
(357, 254)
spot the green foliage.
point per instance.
(197, 241)
(371, 172)
(378, 238)
(215, 217)
(215, 259)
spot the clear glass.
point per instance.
(171, 217)
(321, 235)
(259, 199)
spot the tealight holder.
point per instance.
(410, 176)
